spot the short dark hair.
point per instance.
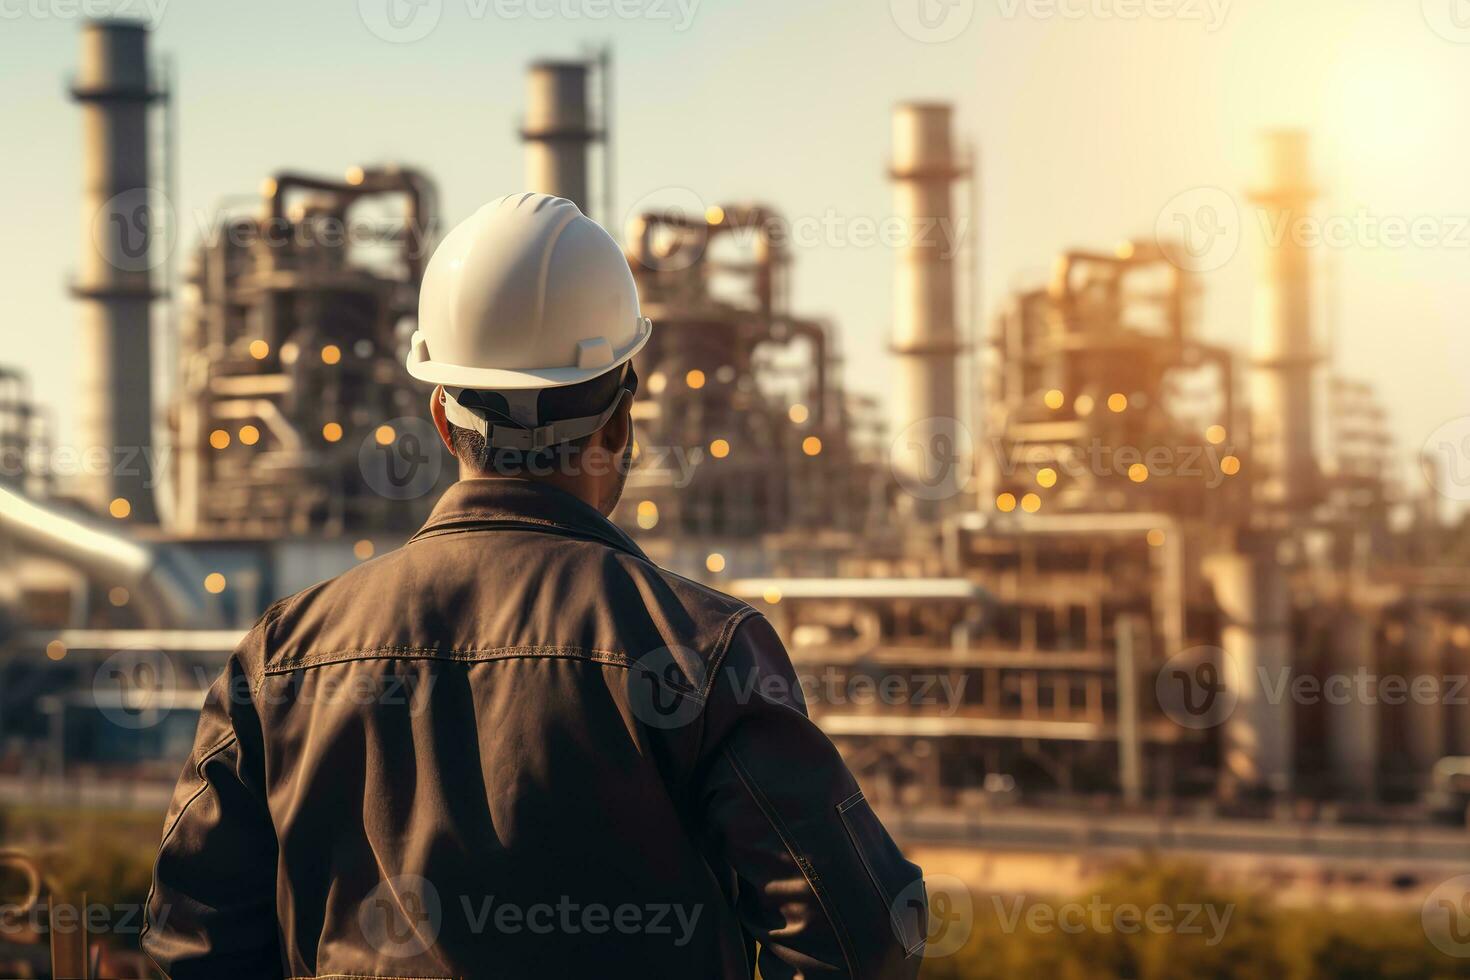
(589, 397)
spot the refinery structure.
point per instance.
(1088, 562)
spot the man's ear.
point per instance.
(436, 410)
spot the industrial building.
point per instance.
(1080, 522)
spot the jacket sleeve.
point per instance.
(211, 911)
(821, 886)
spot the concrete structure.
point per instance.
(558, 130)
(24, 441)
(926, 333)
(1431, 696)
(1255, 608)
(114, 283)
(1283, 353)
(1352, 722)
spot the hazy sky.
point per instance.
(1091, 115)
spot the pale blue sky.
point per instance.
(1089, 124)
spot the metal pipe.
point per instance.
(362, 183)
(973, 376)
(749, 224)
(13, 913)
(267, 412)
(114, 285)
(1132, 640)
(609, 159)
(816, 336)
(164, 584)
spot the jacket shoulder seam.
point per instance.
(717, 661)
(448, 655)
(173, 825)
(722, 646)
(743, 607)
(263, 626)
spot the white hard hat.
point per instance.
(526, 293)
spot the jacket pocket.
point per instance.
(892, 876)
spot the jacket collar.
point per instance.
(526, 504)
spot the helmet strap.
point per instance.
(522, 430)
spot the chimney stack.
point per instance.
(558, 130)
(926, 338)
(1284, 356)
(114, 285)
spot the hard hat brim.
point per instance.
(515, 379)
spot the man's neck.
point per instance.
(579, 487)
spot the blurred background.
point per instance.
(1077, 385)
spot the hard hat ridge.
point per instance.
(526, 293)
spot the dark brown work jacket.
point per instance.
(516, 747)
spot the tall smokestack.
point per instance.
(1283, 352)
(926, 339)
(114, 284)
(558, 130)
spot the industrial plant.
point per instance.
(1071, 594)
